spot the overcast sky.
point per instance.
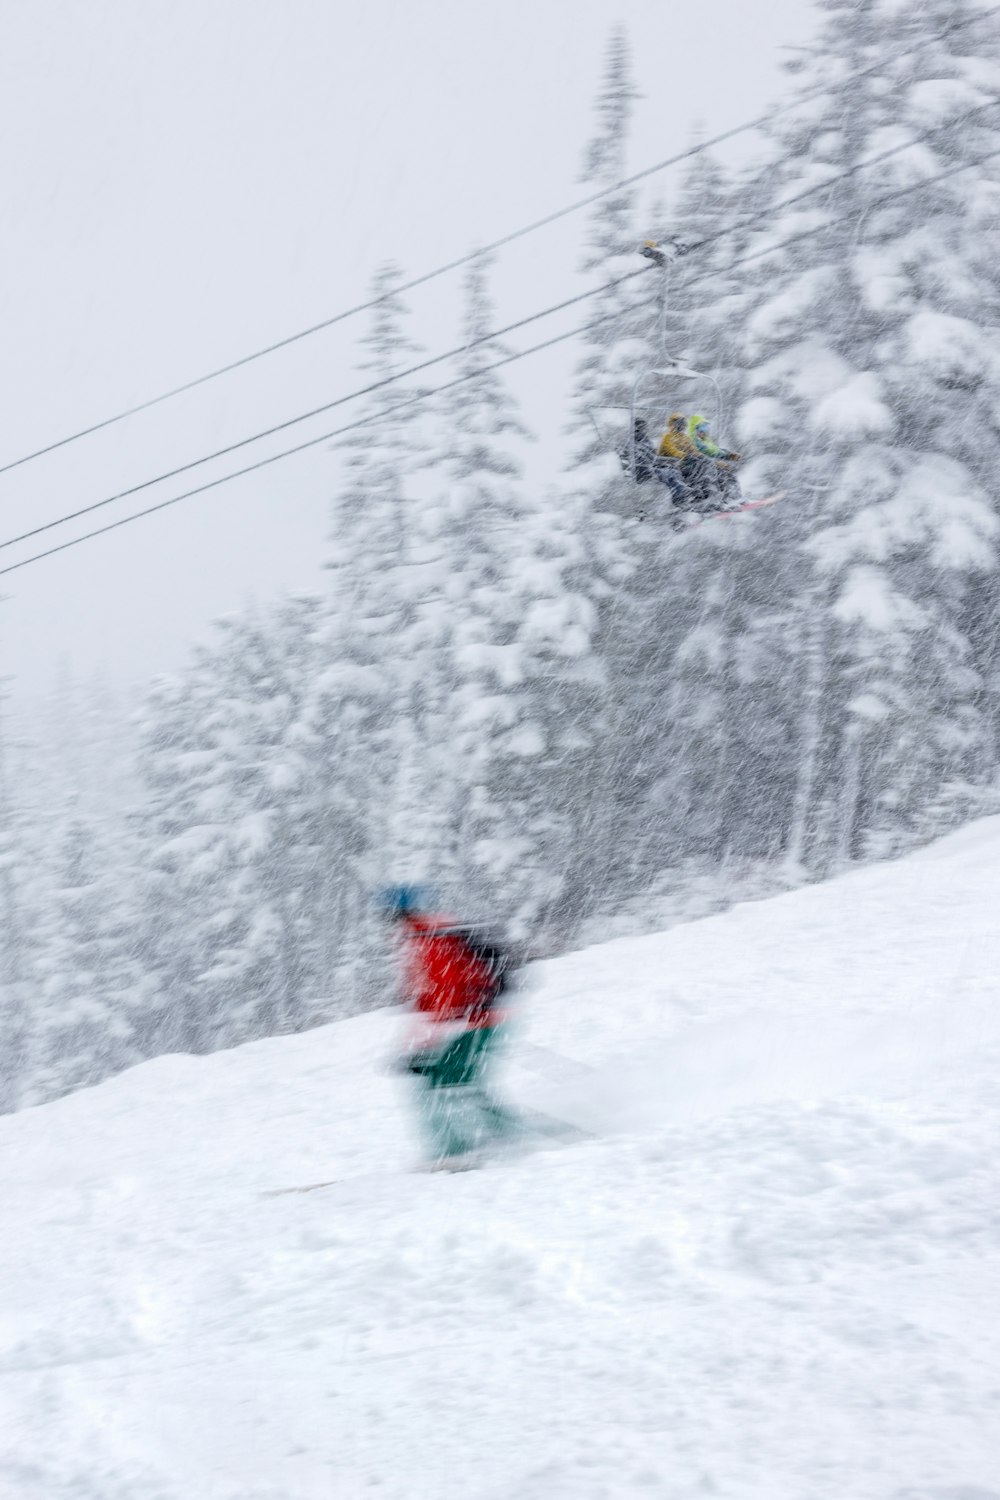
(183, 182)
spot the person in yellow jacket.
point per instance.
(702, 464)
(676, 443)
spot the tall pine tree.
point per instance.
(871, 384)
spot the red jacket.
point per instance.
(444, 980)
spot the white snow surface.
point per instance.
(772, 1272)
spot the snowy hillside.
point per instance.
(772, 1273)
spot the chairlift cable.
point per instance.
(460, 380)
(466, 259)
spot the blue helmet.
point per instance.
(402, 900)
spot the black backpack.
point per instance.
(496, 956)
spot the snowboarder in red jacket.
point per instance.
(454, 980)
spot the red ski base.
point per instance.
(717, 515)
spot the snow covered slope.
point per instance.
(773, 1273)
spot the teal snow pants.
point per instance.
(457, 1113)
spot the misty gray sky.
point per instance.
(185, 181)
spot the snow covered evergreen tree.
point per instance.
(600, 502)
(363, 707)
(620, 315)
(16, 1054)
(87, 987)
(74, 983)
(233, 867)
(872, 387)
(485, 739)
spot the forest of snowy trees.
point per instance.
(561, 716)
